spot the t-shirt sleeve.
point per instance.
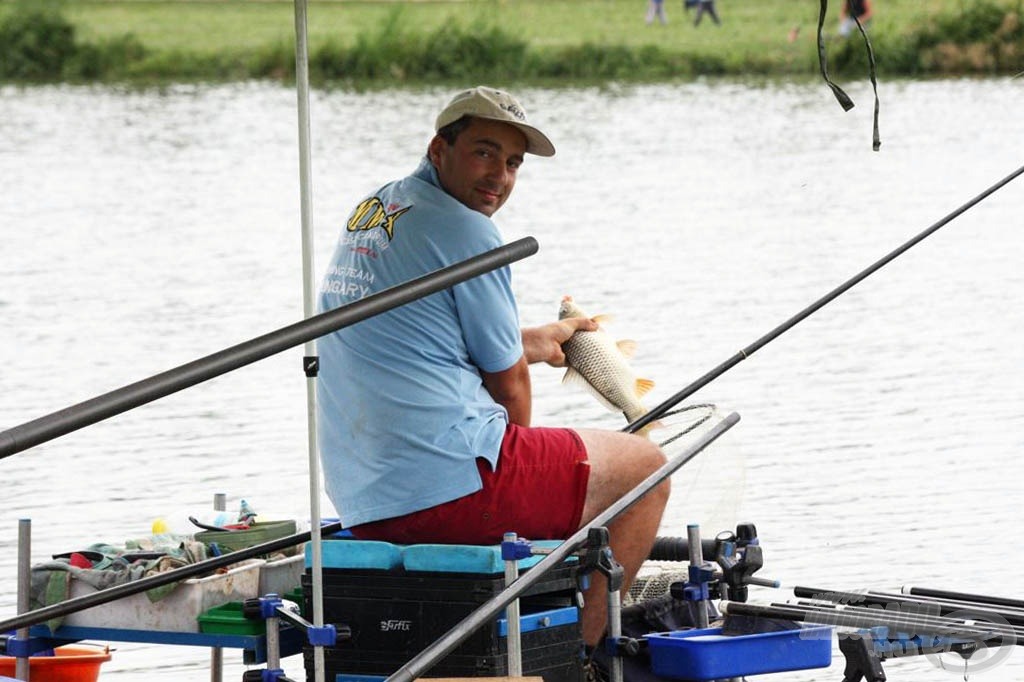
(487, 311)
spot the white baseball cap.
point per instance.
(495, 105)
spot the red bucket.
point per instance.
(70, 663)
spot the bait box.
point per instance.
(707, 654)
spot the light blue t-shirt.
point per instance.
(402, 410)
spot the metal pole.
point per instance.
(22, 665)
(615, 631)
(310, 360)
(220, 503)
(515, 641)
(696, 564)
(423, 661)
(83, 414)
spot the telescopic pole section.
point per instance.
(487, 611)
(964, 596)
(659, 411)
(83, 414)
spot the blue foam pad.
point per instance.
(483, 559)
(436, 558)
(358, 554)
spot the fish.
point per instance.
(600, 365)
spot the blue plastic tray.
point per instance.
(707, 654)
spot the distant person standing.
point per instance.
(848, 9)
(656, 8)
(709, 7)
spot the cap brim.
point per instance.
(536, 141)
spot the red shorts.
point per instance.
(537, 491)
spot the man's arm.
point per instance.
(510, 388)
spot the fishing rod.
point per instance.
(913, 604)
(963, 596)
(660, 410)
(871, 618)
(128, 397)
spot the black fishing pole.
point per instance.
(660, 411)
(83, 414)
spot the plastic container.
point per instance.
(282, 576)
(233, 540)
(177, 612)
(70, 663)
(707, 654)
(229, 619)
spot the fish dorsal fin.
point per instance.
(642, 386)
(575, 378)
(627, 347)
(603, 318)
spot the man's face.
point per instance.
(480, 168)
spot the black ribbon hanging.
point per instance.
(844, 100)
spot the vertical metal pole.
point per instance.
(220, 503)
(515, 642)
(310, 361)
(615, 630)
(273, 643)
(696, 563)
(22, 665)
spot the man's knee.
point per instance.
(649, 455)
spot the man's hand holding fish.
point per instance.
(544, 343)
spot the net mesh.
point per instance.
(654, 580)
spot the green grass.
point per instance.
(557, 38)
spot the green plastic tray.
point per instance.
(233, 540)
(228, 619)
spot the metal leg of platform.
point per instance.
(21, 665)
(216, 653)
(515, 642)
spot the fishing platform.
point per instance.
(386, 605)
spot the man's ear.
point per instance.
(435, 148)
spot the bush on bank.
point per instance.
(38, 44)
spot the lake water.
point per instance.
(880, 442)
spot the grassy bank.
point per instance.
(385, 43)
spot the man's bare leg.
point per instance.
(618, 463)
